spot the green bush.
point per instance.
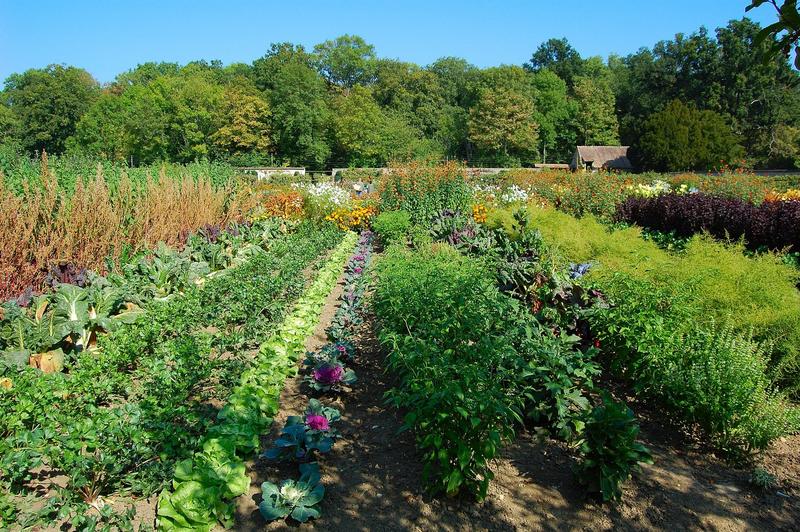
(707, 375)
(446, 326)
(392, 226)
(752, 293)
(609, 450)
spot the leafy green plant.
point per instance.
(609, 450)
(447, 327)
(392, 226)
(293, 498)
(304, 436)
(555, 380)
(252, 404)
(763, 479)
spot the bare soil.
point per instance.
(373, 475)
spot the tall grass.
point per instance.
(44, 224)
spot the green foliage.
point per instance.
(132, 409)
(786, 30)
(203, 497)
(295, 498)
(392, 226)
(346, 61)
(595, 119)
(683, 138)
(443, 320)
(47, 104)
(609, 450)
(502, 123)
(664, 326)
(423, 191)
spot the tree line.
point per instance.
(692, 102)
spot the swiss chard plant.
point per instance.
(295, 498)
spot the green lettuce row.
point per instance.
(204, 486)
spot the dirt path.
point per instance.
(373, 476)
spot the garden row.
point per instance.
(130, 366)
(503, 318)
(480, 351)
(205, 485)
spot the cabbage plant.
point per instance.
(302, 436)
(293, 498)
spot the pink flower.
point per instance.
(317, 422)
(358, 270)
(341, 348)
(328, 374)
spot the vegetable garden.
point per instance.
(435, 346)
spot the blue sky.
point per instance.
(109, 37)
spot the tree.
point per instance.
(300, 115)
(267, 69)
(558, 56)
(595, 120)
(784, 34)
(346, 61)
(368, 136)
(455, 76)
(555, 112)
(101, 131)
(682, 138)
(785, 146)
(245, 125)
(502, 124)
(9, 126)
(48, 103)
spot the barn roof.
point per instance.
(605, 156)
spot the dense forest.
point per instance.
(694, 102)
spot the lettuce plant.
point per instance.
(301, 437)
(293, 498)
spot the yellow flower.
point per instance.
(479, 213)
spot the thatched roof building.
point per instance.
(601, 157)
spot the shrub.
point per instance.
(708, 375)
(665, 331)
(770, 225)
(683, 138)
(392, 226)
(755, 293)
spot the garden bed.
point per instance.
(373, 475)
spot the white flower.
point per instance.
(325, 192)
(514, 194)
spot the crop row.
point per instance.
(137, 399)
(475, 363)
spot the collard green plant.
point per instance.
(295, 498)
